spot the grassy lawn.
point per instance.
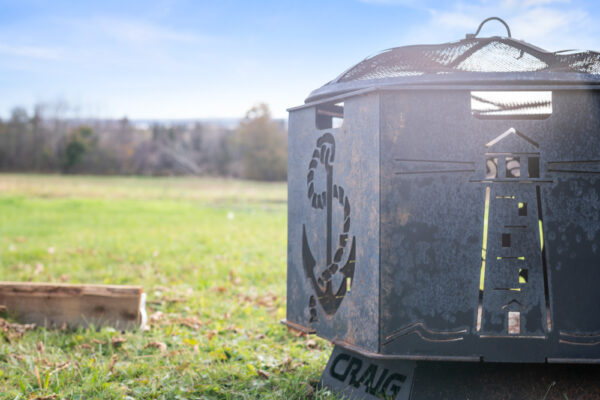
(211, 256)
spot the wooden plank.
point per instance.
(57, 305)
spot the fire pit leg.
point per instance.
(358, 377)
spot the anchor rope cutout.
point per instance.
(324, 155)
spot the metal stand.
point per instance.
(358, 377)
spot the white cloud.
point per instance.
(44, 53)
(391, 2)
(456, 19)
(141, 32)
(529, 3)
(550, 24)
(130, 31)
(543, 23)
(131, 46)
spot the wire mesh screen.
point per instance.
(470, 55)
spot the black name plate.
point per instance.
(357, 377)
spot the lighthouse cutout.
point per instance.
(513, 287)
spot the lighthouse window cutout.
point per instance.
(510, 165)
(533, 167)
(513, 167)
(491, 168)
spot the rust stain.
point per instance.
(403, 217)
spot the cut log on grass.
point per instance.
(59, 305)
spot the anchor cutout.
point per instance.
(329, 300)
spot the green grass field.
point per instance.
(211, 256)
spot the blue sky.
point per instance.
(207, 59)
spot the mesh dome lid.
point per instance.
(471, 61)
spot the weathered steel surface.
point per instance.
(470, 237)
(541, 230)
(431, 219)
(492, 381)
(333, 224)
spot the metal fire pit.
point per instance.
(444, 222)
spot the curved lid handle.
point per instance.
(474, 35)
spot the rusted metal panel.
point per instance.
(438, 205)
(572, 225)
(333, 223)
(463, 251)
(430, 225)
(492, 381)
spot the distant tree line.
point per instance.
(45, 141)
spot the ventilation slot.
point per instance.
(486, 215)
(506, 240)
(329, 115)
(511, 105)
